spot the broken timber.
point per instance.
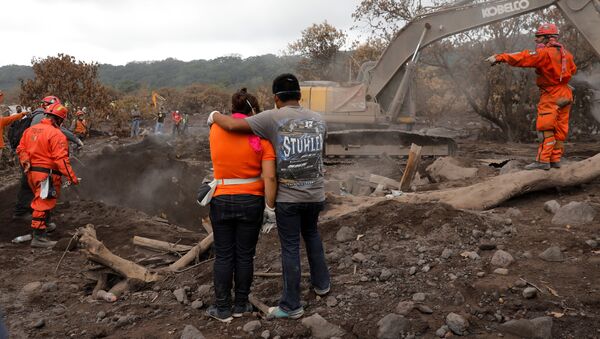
(160, 245)
(190, 256)
(97, 252)
(414, 158)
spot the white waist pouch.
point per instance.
(206, 190)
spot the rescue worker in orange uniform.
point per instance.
(44, 154)
(554, 66)
(79, 125)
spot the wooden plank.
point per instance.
(197, 250)
(414, 158)
(381, 180)
(258, 304)
(160, 245)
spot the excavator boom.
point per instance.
(383, 98)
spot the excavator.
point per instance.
(379, 105)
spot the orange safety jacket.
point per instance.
(44, 145)
(80, 126)
(547, 62)
(5, 121)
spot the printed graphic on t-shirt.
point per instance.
(299, 157)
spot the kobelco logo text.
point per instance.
(505, 8)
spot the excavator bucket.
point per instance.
(373, 142)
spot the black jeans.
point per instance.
(236, 222)
(293, 220)
(24, 197)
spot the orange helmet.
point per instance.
(51, 99)
(58, 110)
(547, 29)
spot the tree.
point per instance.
(319, 46)
(74, 82)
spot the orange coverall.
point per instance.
(45, 148)
(556, 96)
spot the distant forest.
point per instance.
(227, 71)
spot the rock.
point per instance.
(513, 213)
(265, 334)
(426, 268)
(197, 304)
(359, 257)
(487, 246)
(331, 301)
(441, 332)
(458, 299)
(190, 332)
(333, 186)
(470, 255)
(392, 326)
(574, 213)
(419, 297)
(412, 270)
(457, 324)
(321, 328)
(502, 258)
(345, 234)
(181, 296)
(447, 253)
(501, 271)
(529, 293)
(447, 169)
(405, 307)
(552, 254)
(100, 315)
(203, 291)
(39, 324)
(520, 283)
(592, 243)
(252, 326)
(50, 286)
(31, 288)
(538, 328)
(424, 309)
(480, 274)
(385, 275)
(551, 206)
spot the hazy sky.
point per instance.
(119, 31)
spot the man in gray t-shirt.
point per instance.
(298, 136)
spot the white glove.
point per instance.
(80, 143)
(269, 219)
(210, 120)
(492, 60)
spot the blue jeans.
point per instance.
(236, 222)
(293, 220)
(135, 127)
(159, 127)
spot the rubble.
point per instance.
(574, 213)
(321, 328)
(448, 169)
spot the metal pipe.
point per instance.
(427, 27)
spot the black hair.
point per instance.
(286, 87)
(244, 102)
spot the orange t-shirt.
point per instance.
(234, 157)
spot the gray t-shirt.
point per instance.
(297, 135)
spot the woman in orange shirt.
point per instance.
(244, 166)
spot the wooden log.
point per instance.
(197, 250)
(258, 304)
(207, 225)
(494, 191)
(381, 180)
(414, 158)
(160, 245)
(97, 252)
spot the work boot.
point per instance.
(40, 239)
(50, 227)
(555, 164)
(538, 165)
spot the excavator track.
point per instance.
(377, 142)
